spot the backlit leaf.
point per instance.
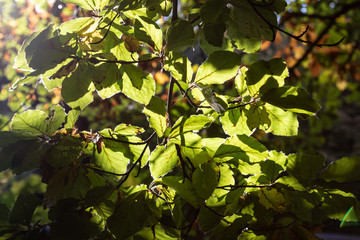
(184, 188)
(241, 148)
(283, 123)
(179, 66)
(218, 68)
(77, 89)
(137, 84)
(31, 121)
(205, 180)
(305, 166)
(162, 160)
(343, 170)
(293, 99)
(264, 75)
(148, 31)
(272, 199)
(179, 36)
(156, 112)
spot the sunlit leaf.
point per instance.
(148, 31)
(218, 68)
(184, 188)
(241, 148)
(162, 160)
(31, 121)
(293, 99)
(179, 66)
(156, 112)
(264, 75)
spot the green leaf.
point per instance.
(271, 169)
(193, 123)
(23, 155)
(7, 138)
(114, 157)
(156, 112)
(218, 68)
(188, 139)
(343, 170)
(111, 82)
(207, 219)
(335, 203)
(179, 36)
(292, 182)
(23, 209)
(214, 33)
(71, 118)
(248, 24)
(89, 4)
(264, 75)
(56, 119)
(128, 130)
(214, 11)
(46, 50)
(240, 82)
(241, 148)
(30, 121)
(137, 84)
(226, 178)
(234, 121)
(179, 66)
(20, 60)
(77, 89)
(278, 5)
(217, 102)
(146, 215)
(148, 31)
(184, 188)
(4, 214)
(162, 160)
(69, 182)
(293, 99)
(75, 25)
(272, 199)
(66, 151)
(305, 166)
(204, 180)
(283, 123)
(257, 117)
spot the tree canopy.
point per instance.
(158, 119)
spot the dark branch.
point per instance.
(96, 60)
(231, 187)
(174, 11)
(298, 38)
(138, 161)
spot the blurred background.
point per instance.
(330, 74)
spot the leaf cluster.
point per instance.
(232, 187)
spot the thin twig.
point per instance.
(298, 38)
(124, 62)
(230, 187)
(138, 161)
(122, 141)
(103, 171)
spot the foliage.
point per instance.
(173, 174)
